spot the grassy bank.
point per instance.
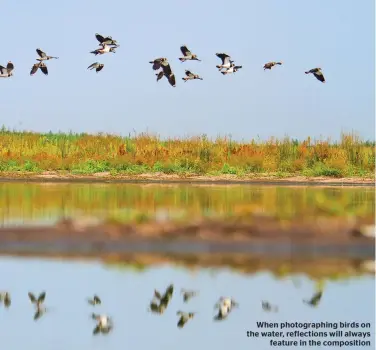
(89, 154)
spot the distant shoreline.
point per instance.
(161, 178)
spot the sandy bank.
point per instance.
(271, 179)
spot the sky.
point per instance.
(126, 294)
(337, 36)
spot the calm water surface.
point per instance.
(30, 203)
(125, 296)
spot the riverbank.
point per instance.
(158, 177)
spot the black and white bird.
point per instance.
(40, 65)
(190, 76)
(6, 72)
(167, 72)
(270, 65)
(188, 55)
(97, 66)
(226, 61)
(317, 73)
(43, 56)
(232, 69)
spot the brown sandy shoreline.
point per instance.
(106, 177)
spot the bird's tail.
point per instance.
(306, 72)
(181, 59)
(279, 63)
(219, 67)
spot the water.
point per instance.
(31, 203)
(125, 295)
(126, 281)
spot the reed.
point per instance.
(147, 153)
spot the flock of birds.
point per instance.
(109, 45)
(158, 305)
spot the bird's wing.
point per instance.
(156, 65)
(93, 65)
(224, 57)
(37, 315)
(99, 37)
(159, 77)
(185, 51)
(319, 76)
(45, 72)
(181, 322)
(41, 53)
(96, 330)
(42, 295)
(167, 70)
(238, 67)
(172, 81)
(2, 70)
(34, 69)
(31, 295)
(316, 297)
(10, 67)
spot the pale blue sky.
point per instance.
(336, 35)
(125, 296)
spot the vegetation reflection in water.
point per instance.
(35, 202)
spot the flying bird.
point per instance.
(5, 298)
(188, 294)
(40, 65)
(317, 73)
(106, 40)
(226, 61)
(315, 300)
(191, 76)
(266, 306)
(6, 72)
(105, 49)
(270, 65)
(184, 318)
(187, 54)
(104, 324)
(95, 300)
(43, 56)
(232, 69)
(38, 302)
(98, 66)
